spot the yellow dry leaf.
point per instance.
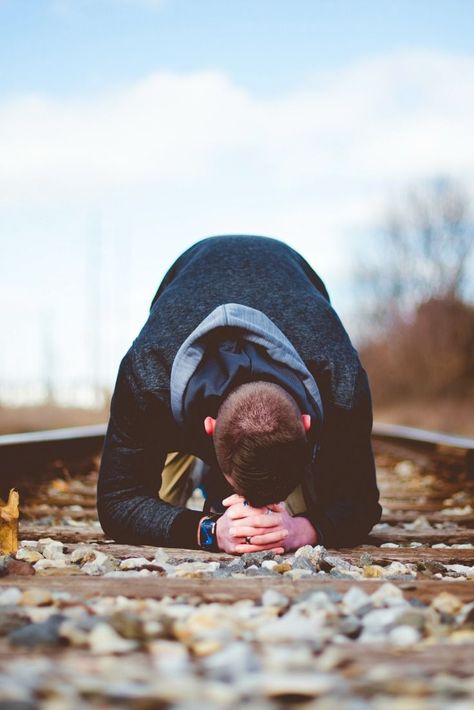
(9, 515)
(59, 485)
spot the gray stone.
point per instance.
(236, 565)
(222, 572)
(411, 617)
(379, 619)
(349, 626)
(259, 572)
(12, 618)
(340, 574)
(128, 624)
(43, 634)
(466, 616)
(256, 558)
(304, 563)
(365, 559)
(4, 561)
(232, 662)
(314, 554)
(332, 594)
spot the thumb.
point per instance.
(232, 500)
(276, 507)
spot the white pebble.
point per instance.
(387, 594)
(404, 636)
(104, 639)
(79, 553)
(100, 565)
(134, 563)
(12, 595)
(28, 555)
(354, 599)
(49, 564)
(269, 564)
(462, 569)
(53, 550)
(273, 598)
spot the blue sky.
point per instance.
(62, 47)
(131, 128)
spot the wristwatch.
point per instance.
(207, 535)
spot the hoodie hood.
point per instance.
(233, 345)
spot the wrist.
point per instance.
(304, 534)
(219, 541)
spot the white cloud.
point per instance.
(172, 158)
(390, 119)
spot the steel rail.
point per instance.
(395, 432)
(25, 456)
(24, 453)
(96, 433)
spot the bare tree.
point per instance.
(421, 253)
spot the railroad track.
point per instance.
(183, 628)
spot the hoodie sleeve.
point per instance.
(133, 457)
(347, 496)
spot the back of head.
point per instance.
(260, 442)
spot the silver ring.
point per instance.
(248, 540)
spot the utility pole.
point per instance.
(94, 304)
(48, 355)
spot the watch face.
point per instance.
(208, 533)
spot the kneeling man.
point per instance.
(243, 382)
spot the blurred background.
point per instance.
(129, 129)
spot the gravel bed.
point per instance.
(313, 650)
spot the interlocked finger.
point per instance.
(243, 531)
(239, 511)
(267, 538)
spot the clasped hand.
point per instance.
(243, 528)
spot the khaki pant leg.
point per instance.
(295, 503)
(176, 482)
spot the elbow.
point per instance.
(108, 520)
(370, 517)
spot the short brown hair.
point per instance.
(260, 442)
